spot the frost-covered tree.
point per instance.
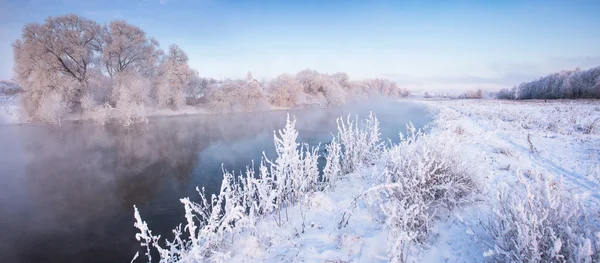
(126, 47)
(566, 84)
(236, 96)
(472, 94)
(285, 91)
(506, 94)
(175, 76)
(55, 57)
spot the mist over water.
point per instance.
(66, 192)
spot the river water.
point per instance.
(67, 192)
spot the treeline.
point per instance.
(469, 94)
(567, 84)
(307, 88)
(73, 65)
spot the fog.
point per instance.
(66, 192)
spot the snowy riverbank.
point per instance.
(483, 183)
(8, 110)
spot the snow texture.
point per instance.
(489, 181)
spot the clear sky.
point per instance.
(449, 45)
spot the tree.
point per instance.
(174, 78)
(285, 91)
(55, 57)
(126, 47)
(249, 77)
(566, 84)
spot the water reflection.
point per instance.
(66, 193)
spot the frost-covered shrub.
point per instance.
(424, 178)
(285, 91)
(535, 220)
(212, 225)
(361, 143)
(130, 93)
(333, 167)
(236, 96)
(432, 167)
(99, 114)
(472, 94)
(52, 107)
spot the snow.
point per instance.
(8, 110)
(500, 143)
(499, 129)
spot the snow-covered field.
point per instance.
(491, 181)
(558, 141)
(557, 138)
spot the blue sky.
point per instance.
(442, 45)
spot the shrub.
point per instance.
(285, 91)
(236, 96)
(425, 176)
(212, 224)
(52, 108)
(361, 142)
(536, 221)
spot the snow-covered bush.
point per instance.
(52, 107)
(415, 183)
(424, 178)
(361, 142)
(236, 96)
(472, 94)
(433, 168)
(536, 220)
(212, 225)
(333, 167)
(130, 93)
(285, 91)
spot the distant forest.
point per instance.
(567, 84)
